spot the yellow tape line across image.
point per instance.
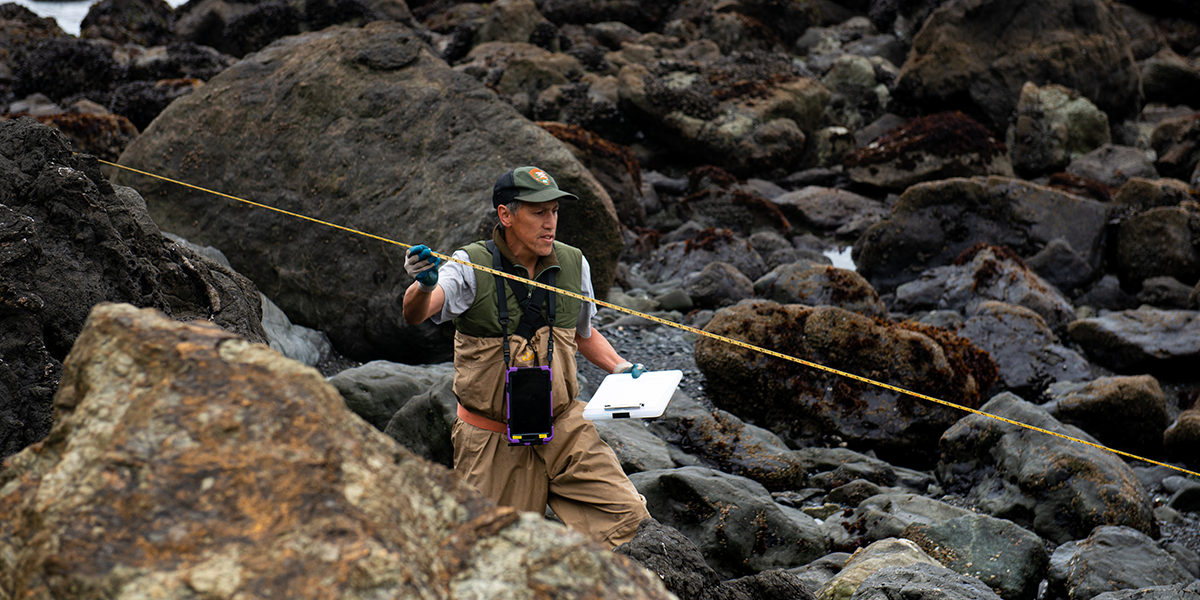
(669, 323)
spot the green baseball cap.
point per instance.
(527, 184)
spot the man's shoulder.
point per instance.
(564, 250)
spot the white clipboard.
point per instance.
(620, 396)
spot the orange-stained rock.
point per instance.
(188, 462)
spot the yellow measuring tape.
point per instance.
(668, 323)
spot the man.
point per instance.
(576, 473)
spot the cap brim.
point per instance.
(545, 195)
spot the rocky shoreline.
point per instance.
(1017, 181)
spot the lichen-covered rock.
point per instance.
(189, 462)
(805, 404)
(70, 240)
(933, 223)
(1057, 488)
(922, 580)
(883, 516)
(680, 258)
(1007, 558)
(867, 561)
(975, 55)
(929, 148)
(140, 22)
(1054, 124)
(821, 285)
(1112, 166)
(749, 114)
(375, 93)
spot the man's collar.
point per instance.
(543, 262)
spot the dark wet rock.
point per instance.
(1054, 124)
(65, 67)
(679, 563)
(1186, 498)
(1008, 559)
(1056, 488)
(376, 390)
(1061, 266)
(1113, 558)
(636, 448)
(933, 223)
(748, 113)
(1107, 294)
(746, 25)
(1026, 352)
(843, 213)
(728, 518)
(718, 284)
(22, 27)
(266, 481)
(1170, 79)
(70, 240)
(424, 422)
(103, 136)
(1158, 592)
(868, 561)
(1182, 438)
(929, 148)
(801, 403)
(1142, 340)
(1176, 141)
(141, 22)
(1164, 292)
(922, 580)
(516, 21)
(1161, 241)
(819, 285)
(975, 55)
(884, 516)
(982, 274)
(1113, 166)
(369, 119)
(141, 101)
(681, 258)
(723, 204)
(859, 97)
(1126, 413)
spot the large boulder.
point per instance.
(977, 54)
(867, 561)
(189, 462)
(882, 516)
(933, 223)
(1113, 558)
(1006, 557)
(922, 580)
(843, 213)
(140, 22)
(734, 521)
(367, 129)
(1141, 340)
(805, 404)
(1057, 488)
(70, 240)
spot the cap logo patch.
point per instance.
(540, 175)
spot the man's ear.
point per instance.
(504, 215)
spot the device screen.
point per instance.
(529, 398)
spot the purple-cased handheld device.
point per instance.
(529, 405)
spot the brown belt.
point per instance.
(471, 418)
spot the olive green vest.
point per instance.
(482, 319)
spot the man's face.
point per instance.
(532, 227)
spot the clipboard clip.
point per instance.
(624, 406)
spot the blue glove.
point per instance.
(633, 369)
(423, 266)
